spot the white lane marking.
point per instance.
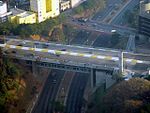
(2, 45)
(25, 48)
(87, 55)
(71, 53)
(74, 54)
(64, 52)
(128, 60)
(37, 49)
(52, 51)
(115, 58)
(100, 57)
(12, 46)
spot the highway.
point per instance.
(48, 95)
(118, 18)
(75, 96)
(70, 54)
(110, 5)
(77, 87)
(103, 27)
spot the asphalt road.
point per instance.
(110, 5)
(75, 96)
(48, 95)
(77, 87)
(119, 18)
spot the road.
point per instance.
(118, 19)
(75, 96)
(48, 95)
(77, 87)
(70, 54)
(110, 5)
(103, 27)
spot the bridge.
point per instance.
(71, 57)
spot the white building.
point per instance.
(75, 3)
(3, 12)
(45, 9)
(3, 8)
(64, 5)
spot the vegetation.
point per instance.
(132, 17)
(58, 107)
(131, 96)
(9, 84)
(118, 41)
(94, 5)
(25, 30)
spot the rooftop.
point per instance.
(145, 10)
(21, 13)
(1, 3)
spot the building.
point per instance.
(40, 10)
(45, 9)
(75, 3)
(22, 17)
(144, 19)
(3, 12)
(64, 5)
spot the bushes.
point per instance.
(26, 30)
(89, 5)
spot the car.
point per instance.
(63, 49)
(54, 81)
(53, 74)
(14, 52)
(57, 55)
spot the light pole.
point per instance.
(121, 63)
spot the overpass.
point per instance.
(69, 57)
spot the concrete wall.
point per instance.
(103, 77)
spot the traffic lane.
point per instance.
(68, 59)
(109, 7)
(130, 6)
(75, 98)
(79, 49)
(109, 27)
(87, 61)
(50, 106)
(43, 103)
(81, 37)
(64, 87)
(144, 57)
(41, 100)
(73, 87)
(80, 95)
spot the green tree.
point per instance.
(127, 97)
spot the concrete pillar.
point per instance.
(92, 78)
(121, 62)
(34, 69)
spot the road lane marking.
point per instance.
(132, 61)
(44, 50)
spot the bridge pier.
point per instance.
(35, 69)
(121, 62)
(92, 78)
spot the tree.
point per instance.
(127, 97)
